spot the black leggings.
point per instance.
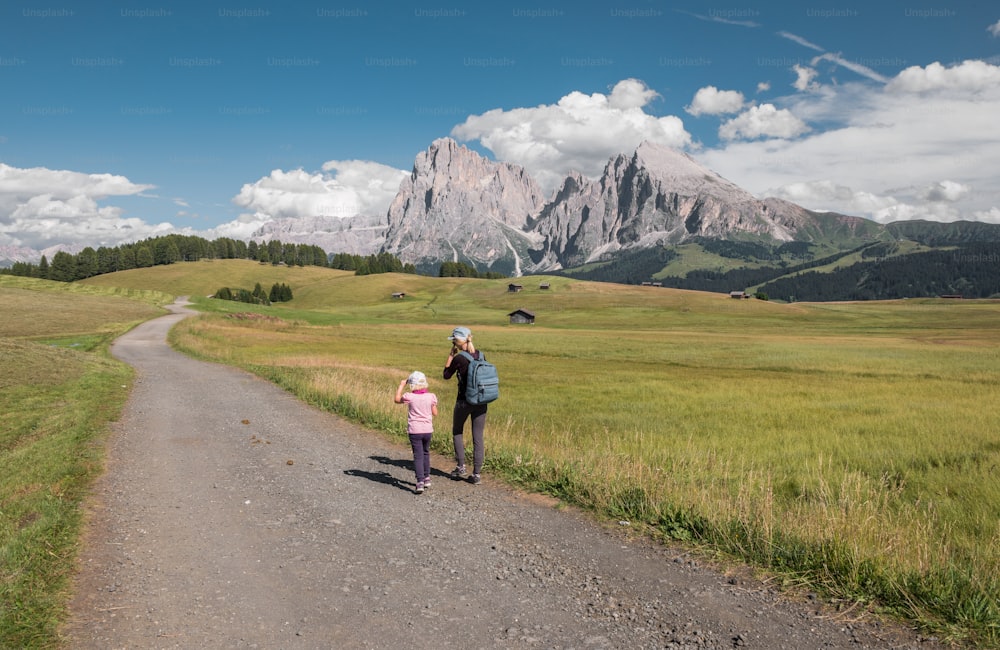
(463, 411)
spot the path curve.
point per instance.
(232, 515)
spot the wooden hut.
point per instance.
(521, 317)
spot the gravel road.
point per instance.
(232, 515)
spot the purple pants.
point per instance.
(421, 443)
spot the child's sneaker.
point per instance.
(419, 489)
(459, 472)
(476, 479)
(427, 483)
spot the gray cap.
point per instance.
(460, 333)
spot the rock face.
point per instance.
(359, 235)
(457, 205)
(13, 254)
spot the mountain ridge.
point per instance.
(651, 197)
(457, 205)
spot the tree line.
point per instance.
(166, 249)
(370, 264)
(463, 270)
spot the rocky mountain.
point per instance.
(458, 205)
(358, 235)
(12, 254)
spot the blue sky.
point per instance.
(121, 121)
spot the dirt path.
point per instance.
(234, 516)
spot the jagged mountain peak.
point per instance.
(678, 168)
(658, 156)
(460, 205)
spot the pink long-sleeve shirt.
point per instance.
(420, 416)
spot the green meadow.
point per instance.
(851, 448)
(59, 391)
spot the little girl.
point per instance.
(421, 409)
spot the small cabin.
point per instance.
(514, 288)
(399, 295)
(544, 286)
(521, 317)
(738, 295)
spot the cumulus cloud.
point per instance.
(924, 145)
(712, 101)
(40, 207)
(968, 77)
(344, 188)
(764, 121)
(578, 133)
(829, 196)
(988, 216)
(994, 28)
(945, 191)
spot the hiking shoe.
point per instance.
(427, 483)
(476, 479)
(459, 472)
(419, 489)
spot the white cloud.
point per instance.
(994, 28)
(763, 86)
(40, 207)
(945, 191)
(989, 216)
(578, 133)
(967, 77)
(804, 77)
(63, 184)
(764, 121)
(836, 59)
(801, 41)
(862, 70)
(924, 145)
(712, 101)
(828, 196)
(354, 187)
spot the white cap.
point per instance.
(417, 379)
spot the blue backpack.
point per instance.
(482, 383)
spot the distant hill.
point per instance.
(926, 260)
